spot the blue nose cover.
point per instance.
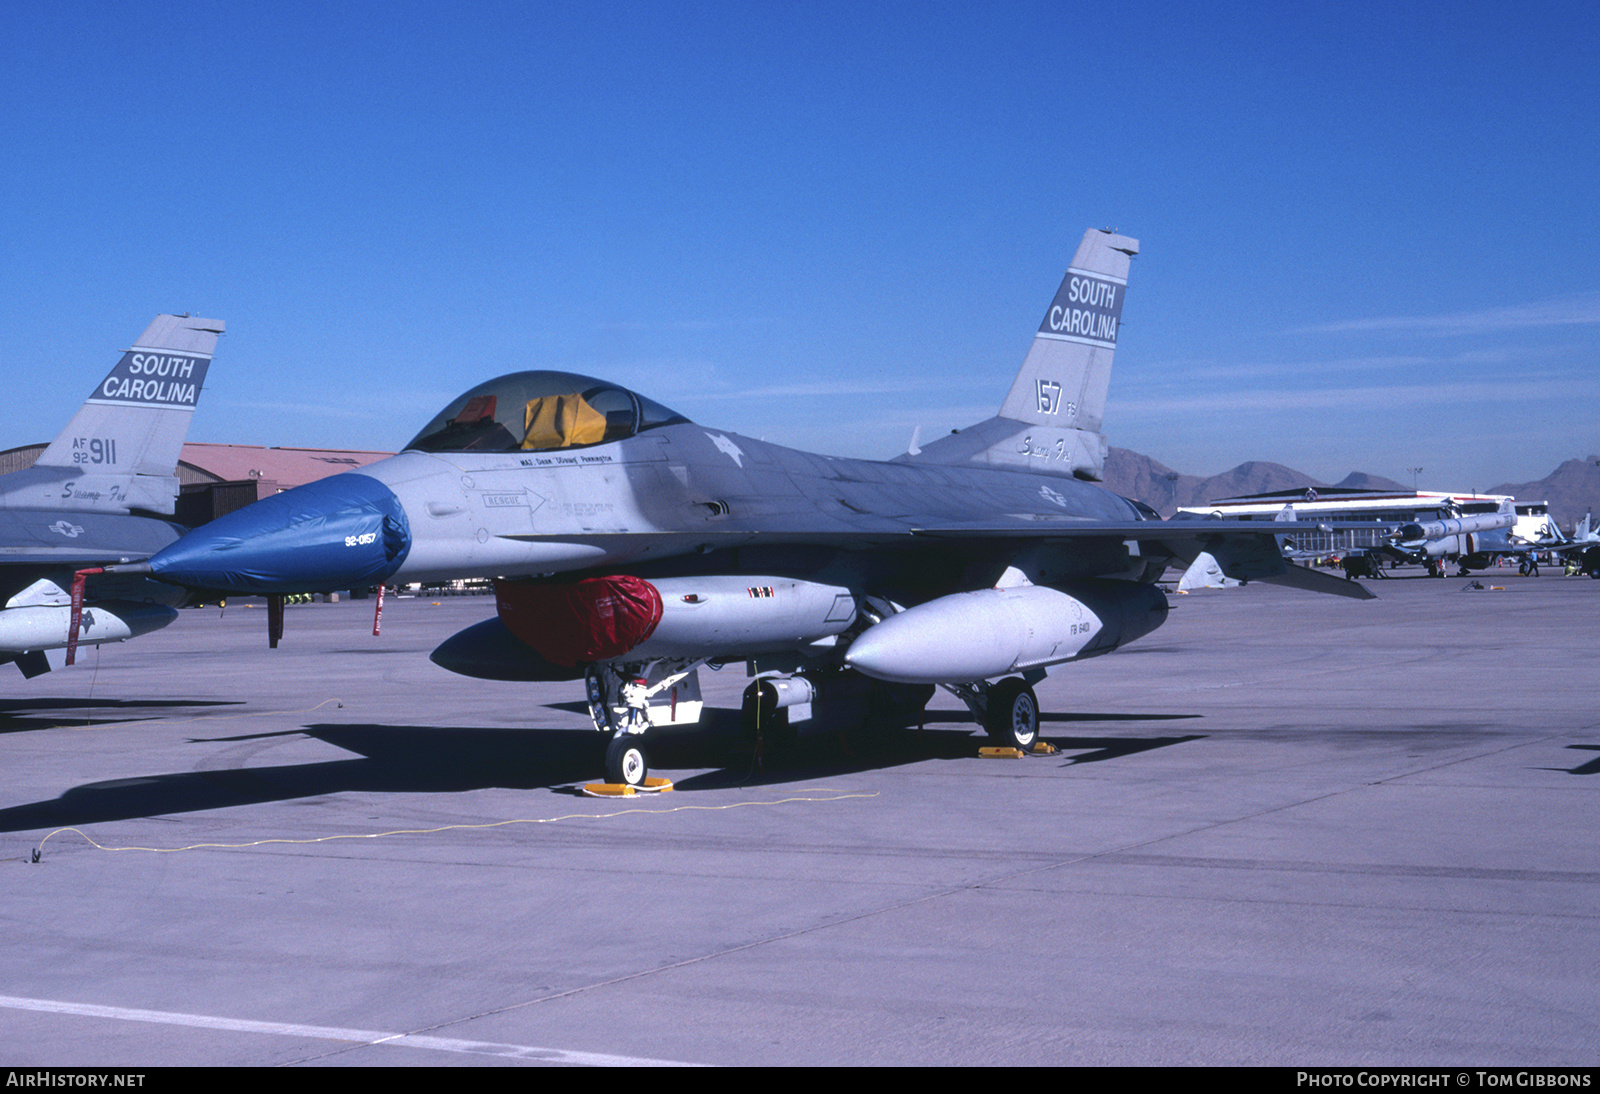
(347, 531)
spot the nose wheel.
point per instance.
(626, 701)
(626, 762)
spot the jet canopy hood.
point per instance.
(541, 412)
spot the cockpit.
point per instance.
(541, 412)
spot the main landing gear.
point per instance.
(1012, 718)
(1008, 710)
(779, 710)
(628, 700)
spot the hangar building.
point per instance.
(218, 478)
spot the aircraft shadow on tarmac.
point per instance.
(431, 759)
(1590, 768)
(19, 715)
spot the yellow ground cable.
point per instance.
(449, 827)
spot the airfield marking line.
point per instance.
(333, 1033)
(1208, 826)
(836, 796)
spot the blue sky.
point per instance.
(1369, 231)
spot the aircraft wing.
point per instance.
(1523, 547)
(1035, 525)
(1243, 550)
(1240, 549)
(1045, 525)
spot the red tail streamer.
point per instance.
(79, 579)
(377, 613)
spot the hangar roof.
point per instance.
(285, 466)
(203, 463)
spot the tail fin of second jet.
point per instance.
(1050, 420)
(120, 451)
(1064, 378)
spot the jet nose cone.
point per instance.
(347, 531)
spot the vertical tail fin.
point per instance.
(124, 442)
(1064, 378)
(1050, 420)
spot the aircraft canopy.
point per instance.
(541, 412)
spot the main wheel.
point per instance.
(626, 763)
(1013, 716)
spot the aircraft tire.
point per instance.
(626, 762)
(1013, 717)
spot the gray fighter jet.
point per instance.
(630, 546)
(91, 500)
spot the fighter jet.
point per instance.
(1470, 540)
(631, 547)
(90, 499)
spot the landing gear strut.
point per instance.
(620, 704)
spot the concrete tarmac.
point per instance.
(1284, 829)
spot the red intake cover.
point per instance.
(595, 619)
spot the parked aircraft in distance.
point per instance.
(1584, 547)
(1469, 539)
(83, 503)
(631, 546)
(1367, 528)
(1476, 538)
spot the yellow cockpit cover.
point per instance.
(560, 421)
